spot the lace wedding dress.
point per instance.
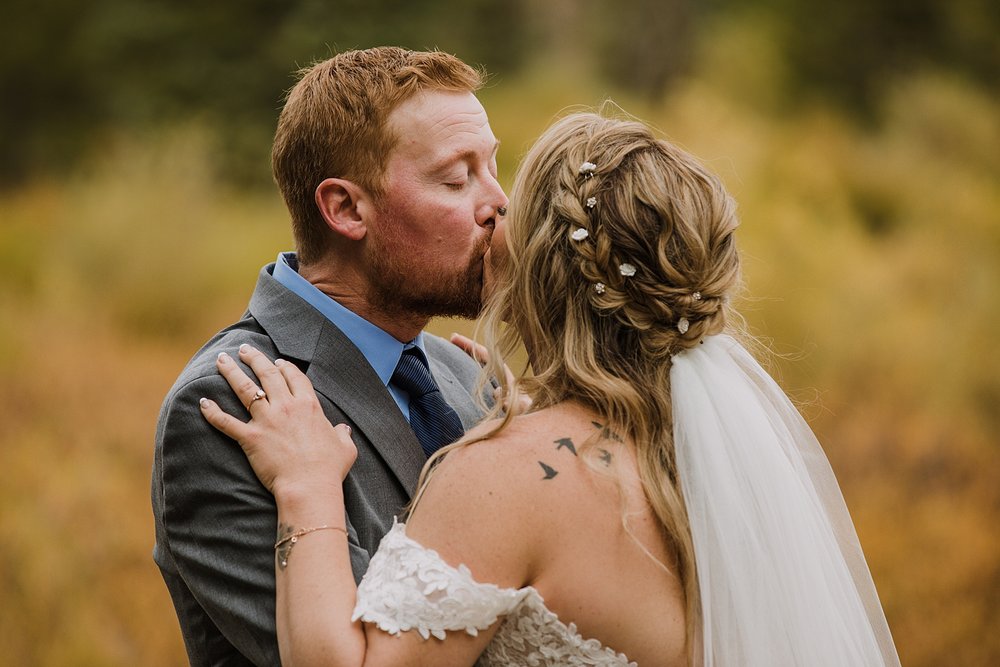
(410, 587)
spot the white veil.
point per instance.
(782, 577)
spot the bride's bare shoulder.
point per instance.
(534, 448)
(509, 490)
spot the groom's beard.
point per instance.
(396, 286)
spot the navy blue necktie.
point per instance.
(433, 421)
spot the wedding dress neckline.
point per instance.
(411, 587)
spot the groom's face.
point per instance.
(425, 247)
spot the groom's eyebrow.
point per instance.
(461, 156)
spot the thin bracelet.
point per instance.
(283, 547)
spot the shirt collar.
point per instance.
(379, 347)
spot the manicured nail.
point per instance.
(245, 349)
(203, 402)
(223, 358)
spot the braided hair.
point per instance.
(620, 254)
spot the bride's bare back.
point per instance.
(536, 506)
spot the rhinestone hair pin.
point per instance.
(591, 202)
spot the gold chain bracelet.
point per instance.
(283, 547)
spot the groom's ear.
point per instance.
(344, 206)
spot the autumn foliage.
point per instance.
(872, 261)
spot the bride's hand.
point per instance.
(478, 352)
(288, 440)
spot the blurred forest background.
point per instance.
(861, 138)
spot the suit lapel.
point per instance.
(340, 373)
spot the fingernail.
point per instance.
(279, 362)
(244, 348)
(223, 357)
(348, 427)
(203, 402)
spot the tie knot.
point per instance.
(412, 375)
(433, 421)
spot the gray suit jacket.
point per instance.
(216, 524)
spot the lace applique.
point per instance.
(409, 587)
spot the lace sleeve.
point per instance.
(410, 587)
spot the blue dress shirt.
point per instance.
(381, 349)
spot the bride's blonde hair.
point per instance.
(596, 332)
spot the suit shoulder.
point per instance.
(451, 365)
(200, 376)
(447, 352)
(202, 363)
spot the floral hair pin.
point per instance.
(626, 270)
(587, 169)
(579, 234)
(683, 325)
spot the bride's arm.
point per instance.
(315, 587)
(302, 459)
